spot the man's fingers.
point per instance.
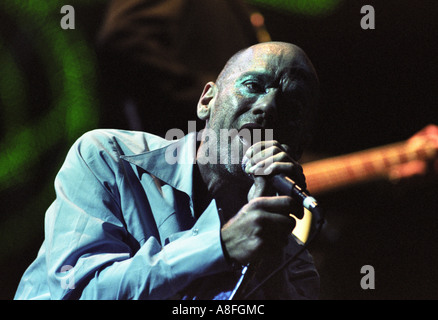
(283, 205)
(280, 204)
(269, 158)
(262, 148)
(261, 227)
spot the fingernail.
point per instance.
(267, 171)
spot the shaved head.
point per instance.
(287, 64)
(250, 55)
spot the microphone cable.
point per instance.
(318, 215)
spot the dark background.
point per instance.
(378, 87)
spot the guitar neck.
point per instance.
(333, 173)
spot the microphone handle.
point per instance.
(286, 186)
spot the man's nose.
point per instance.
(267, 106)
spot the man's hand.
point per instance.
(260, 227)
(263, 225)
(426, 139)
(267, 158)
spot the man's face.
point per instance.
(267, 87)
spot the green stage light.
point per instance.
(70, 67)
(303, 7)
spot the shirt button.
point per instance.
(195, 231)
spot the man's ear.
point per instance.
(204, 103)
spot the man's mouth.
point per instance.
(251, 133)
(252, 126)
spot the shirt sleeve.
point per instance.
(91, 255)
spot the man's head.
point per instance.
(270, 85)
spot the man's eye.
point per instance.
(254, 87)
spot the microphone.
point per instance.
(286, 186)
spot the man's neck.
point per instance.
(230, 195)
(201, 196)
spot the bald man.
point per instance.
(140, 217)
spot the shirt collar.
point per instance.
(172, 164)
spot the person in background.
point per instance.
(155, 55)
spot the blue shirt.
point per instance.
(123, 226)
